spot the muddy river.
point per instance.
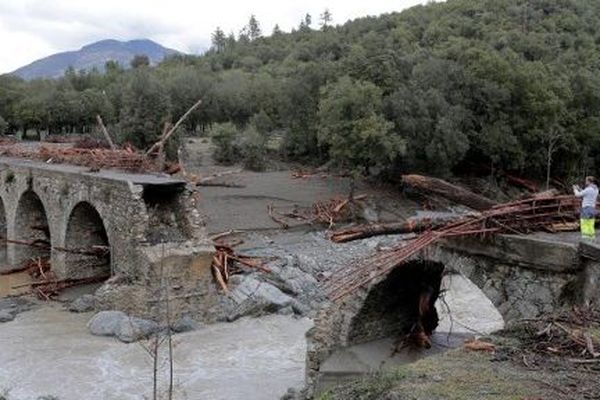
(50, 352)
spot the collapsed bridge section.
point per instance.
(91, 224)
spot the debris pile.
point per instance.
(44, 282)
(550, 213)
(35, 267)
(70, 138)
(226, 263)
(327, 212)
(88, 142)
(94, 158)
(51, 287)
(572, 333)
(6, 141)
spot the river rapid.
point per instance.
(49, 351)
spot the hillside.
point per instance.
(94, 55)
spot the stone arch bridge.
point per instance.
(65, 211)
(523, 276)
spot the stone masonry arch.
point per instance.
(31, 225)
(85, 231)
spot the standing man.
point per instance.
(589, 196)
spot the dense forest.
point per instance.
(487, 85)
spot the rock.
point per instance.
(106, 323)
(286, 311)
(10, 307)
(6, 316)
(185, 324)
(255, 290)
(85, 303)
(291, 394)
(300, 309)
(132, 329)
(295, 281)
(253, 297)
(126, 329)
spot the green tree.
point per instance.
(326, 18)
(253, 149)
(140, 60)
(306, 23)
(353, 129)
(219, 40)
(277, 30)
(262, 122)
(225, 138)
(145, 109)
(254, 31)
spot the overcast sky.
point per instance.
(31, 29)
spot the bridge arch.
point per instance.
(31, 225)
(391, 306)
(87, 244)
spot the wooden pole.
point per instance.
(166, 137)
(105, 132)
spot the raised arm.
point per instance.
(581, 193)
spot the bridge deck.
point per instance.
(114, 175)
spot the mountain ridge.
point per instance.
(94, 55)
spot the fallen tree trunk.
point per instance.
(392, 228)
(449, 191)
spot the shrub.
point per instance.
(254, 149)
(225, 137)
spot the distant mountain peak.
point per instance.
(94, 55)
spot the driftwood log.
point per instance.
(391, 228)
(449, 191)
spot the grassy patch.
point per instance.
(372, 387)
(458, 375)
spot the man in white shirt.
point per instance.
(589, 196)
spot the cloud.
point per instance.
(31, 29)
